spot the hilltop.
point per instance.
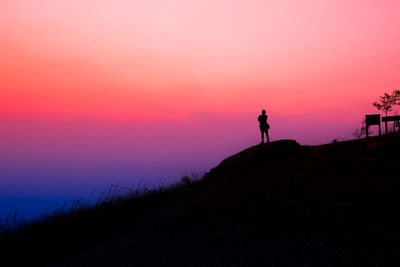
(277, 204)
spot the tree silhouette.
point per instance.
(386, 102)
(396, 95)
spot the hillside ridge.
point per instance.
(275, 204)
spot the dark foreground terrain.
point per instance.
(278, 204)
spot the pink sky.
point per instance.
(146, 59)
(184, 81)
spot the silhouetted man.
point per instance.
(264, 126)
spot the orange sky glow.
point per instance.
(145, 59)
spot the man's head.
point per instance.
(263, 111)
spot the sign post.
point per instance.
(372, 119)
(390, 118)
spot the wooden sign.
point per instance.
(372, 119)
(391, 118)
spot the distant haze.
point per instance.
(99, 92)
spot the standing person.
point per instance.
(264, 126)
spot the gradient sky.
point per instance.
(96, 89)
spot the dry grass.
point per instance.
(279, 204)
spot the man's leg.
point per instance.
(262, 136)
(267, 135)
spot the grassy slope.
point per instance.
(274, 204)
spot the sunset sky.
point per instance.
(160, 88)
